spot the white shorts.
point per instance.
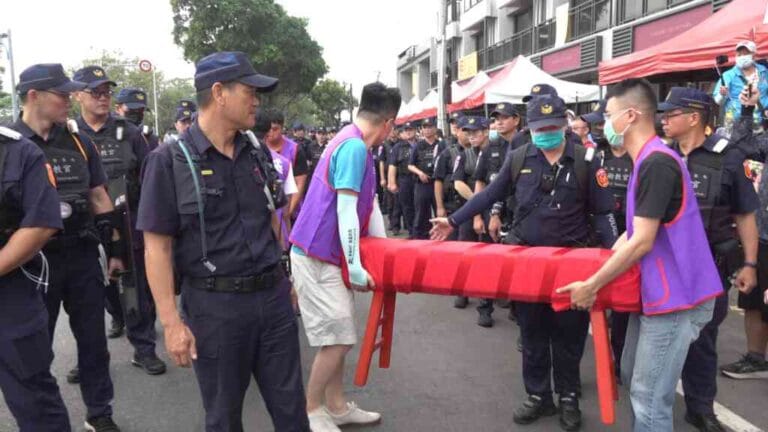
(327, 305)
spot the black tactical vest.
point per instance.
(449, 192)
(403, 157)
(496, 151)
(427, 156)
(68, 158)
(618, 171)
(471, 158)
(11, 212)
(708, 177)
(120, 162)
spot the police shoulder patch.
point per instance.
(456, 163)
(748, 171)
(720, 145)
(602, 178)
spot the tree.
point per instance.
(331, 98)
(277, 44)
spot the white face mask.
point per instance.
(744, 61)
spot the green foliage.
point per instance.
(277, 44)
(331, 98)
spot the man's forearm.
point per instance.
(415, 170)
(463, 189)
(301, 182)
(439, 194)
(382, 171)
(159, 262)
(746, 226)
(392, 175)
(22, 246)
(623, 258)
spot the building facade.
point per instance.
(566, 38)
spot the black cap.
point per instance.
(455, 117)
(298, 126)
(539, 90)
(49, 76)
(428, 122)
(546, 111)
(132, 97)
(598, 113)
(505, 109)
(187, 104)
(685, 97)
(94, 76)
(230, 66)
(183, 113)
(409, 125)
(474, 123)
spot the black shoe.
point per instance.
(570, 415)
(116, 329)
(748, 367)
(150, 363)
(704, 423)
(460, 302)
(484, 319)
(534, 408)
(101, 424)
(73, 377)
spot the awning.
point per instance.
(514, 82)
(697, 47)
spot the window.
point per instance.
(523, 21)
(469, 4)
(589, 16)
(633, 9)
(453, 12)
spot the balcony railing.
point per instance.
(544, 37)
(588, 18)
(630, 10)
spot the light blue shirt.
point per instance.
(735, 83)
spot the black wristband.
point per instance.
(452, 222)
(104, 224)
(116, 248)
(750, 264)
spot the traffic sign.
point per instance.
(145, 66)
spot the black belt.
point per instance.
(235, 284)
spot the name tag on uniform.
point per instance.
(206, 172)
(525, 171)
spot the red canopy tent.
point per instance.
(697, 47)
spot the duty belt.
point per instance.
(235, 284)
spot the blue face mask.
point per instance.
(493, 134)
(548, 140)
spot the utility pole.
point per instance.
(443, 20)
(9, 47)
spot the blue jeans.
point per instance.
(660, 344)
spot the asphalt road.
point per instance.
(447, 374)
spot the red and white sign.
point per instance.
(563, 60)
(145, 66)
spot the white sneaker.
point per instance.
(354, 415)
(321, 421)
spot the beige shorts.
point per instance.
(327, 305)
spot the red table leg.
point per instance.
(368, 346)
(388, 323)
(606, 380)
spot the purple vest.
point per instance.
(316, 231)
(289, 149)
(282, 165)
(679, 272)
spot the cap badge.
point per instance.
(98, 73)
(546, 109)
(535, 89)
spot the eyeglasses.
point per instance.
(98, 94)
(63, 96)
(666, 116)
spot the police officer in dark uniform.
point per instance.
(726, 197)
(76, 277)
(122, 151)
(422, 165)
(464, 180)
(524, 136)
(210, 213)
(556, 191)
(394, 212)
(315, 150)
(400, 180)
(132, 104)
(182, 120)
(616, 169)
(29, 216)
(446, 197)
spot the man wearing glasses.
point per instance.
(122, 152)
(76, 278)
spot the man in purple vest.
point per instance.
(288, 148)
(336, 213)
(666, 236)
